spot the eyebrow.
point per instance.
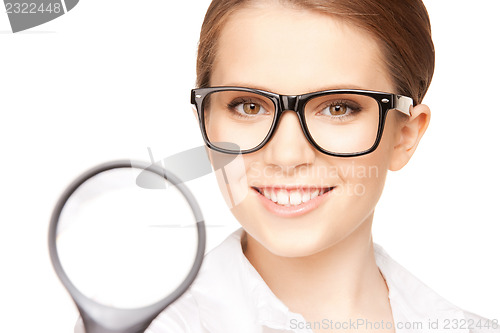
(321, 88)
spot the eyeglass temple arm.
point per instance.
(403, 104)
(193, 97)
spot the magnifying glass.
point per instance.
(126, 239)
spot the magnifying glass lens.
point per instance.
(124, 245)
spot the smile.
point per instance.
(290, 201)
(291, 196)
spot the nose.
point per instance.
(289, 148)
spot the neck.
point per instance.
(342, 279)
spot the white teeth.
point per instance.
(292, 197)
(295, 198)
(273, 196)
(283, 198)
(306, 196)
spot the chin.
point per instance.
(294, 239)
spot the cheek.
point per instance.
(231, 175)
(363, 177)
(361, 187)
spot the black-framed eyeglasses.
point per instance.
(340, 122)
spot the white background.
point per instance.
(112, 77)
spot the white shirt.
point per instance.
(229, 296)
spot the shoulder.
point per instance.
(413, 301)
(181, 316)
(219, 289)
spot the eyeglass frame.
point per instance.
(296, 103)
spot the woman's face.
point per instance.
(296, 51)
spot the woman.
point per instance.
(355, 73)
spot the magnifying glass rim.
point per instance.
(111, 319)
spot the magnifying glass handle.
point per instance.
(88, 325)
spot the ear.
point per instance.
(409, 135)
(195, 113)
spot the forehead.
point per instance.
(294, 51)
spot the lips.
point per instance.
(291, 195)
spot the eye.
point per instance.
(339, 109)
(249, 108)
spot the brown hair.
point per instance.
(401, 27)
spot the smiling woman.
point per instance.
(317, 94)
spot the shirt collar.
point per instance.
(412, 301)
